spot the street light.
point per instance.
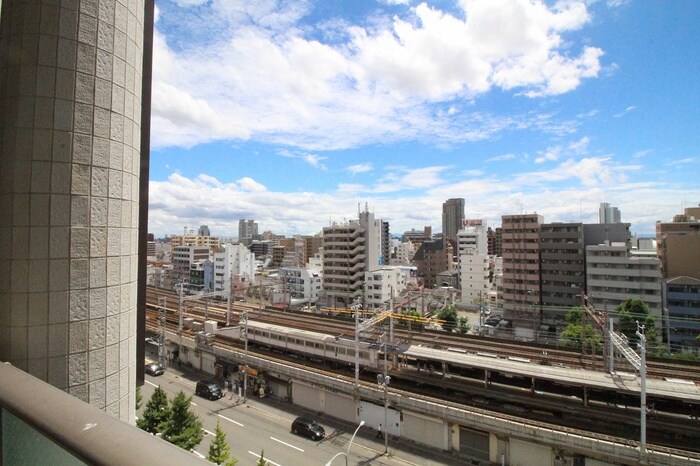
(346, 454)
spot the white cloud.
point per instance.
(313, 160)
(642, 153)
(249, 184)
(627, 110)
(255, 70)
(501, 158)
(360, 168)
(570, 191)
(680, 162)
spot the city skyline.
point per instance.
(296, 113)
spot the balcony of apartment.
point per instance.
(44, 425)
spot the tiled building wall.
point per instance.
(69, 193)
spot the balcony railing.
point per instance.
(44, 425)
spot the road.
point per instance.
(263, 425)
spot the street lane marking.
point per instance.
(198, 454)
(230, 420)
(287, 444)
(193, 403)
(208, 431)
(266, 460)
(151, 383)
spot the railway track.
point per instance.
(508, 402)
(344, 326)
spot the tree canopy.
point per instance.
(183, 428)
(630, 312)
(156, 413)
(219, 451)
(448, 316)
(579, 332)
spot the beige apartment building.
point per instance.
(678, 245)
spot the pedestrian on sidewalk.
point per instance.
(379, 432)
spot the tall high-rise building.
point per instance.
(203, 231)
(678, 245)
(247, 231)
(72, 77)
(473, 262)
(608, 214)
(385, 257)
(520, 291)
(452, 218)
(349, 250)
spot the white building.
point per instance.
(382, 283)
(184, 257)
(472, 248)
(349, 250)
(615, 273)
(235, 263)
(302, 284)
(403, 252)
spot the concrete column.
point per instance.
(69, 194)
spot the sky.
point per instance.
(299, 114)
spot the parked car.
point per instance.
(154, 369)
(308, 428)
(208, 389)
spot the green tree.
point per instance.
(412, 320)
(183, 428)
(261, 460)
(630, 312)
(219, 451)
(156, 414)
(448, 316)
(579, 333)
(464, 325)
(139, 398)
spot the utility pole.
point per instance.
(643, 390)
(244, 320)
(383, 380)
(161, 326)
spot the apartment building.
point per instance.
(195, 240)
(301, 283)
(402, 252)
(678, 244)
(614, 273)
(682, 303)
(184, 257)
(233, 267)
(473, 262)
(521, 287)
(385, 283)
(562, 255)
(433, 257)
(247, 231)
(349, 250)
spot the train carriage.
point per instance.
(313, 345)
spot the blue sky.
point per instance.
(294, 113)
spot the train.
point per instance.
(515, 372)
(313, 345)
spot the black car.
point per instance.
(308, 428)
(154, 369)
(208, 389)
